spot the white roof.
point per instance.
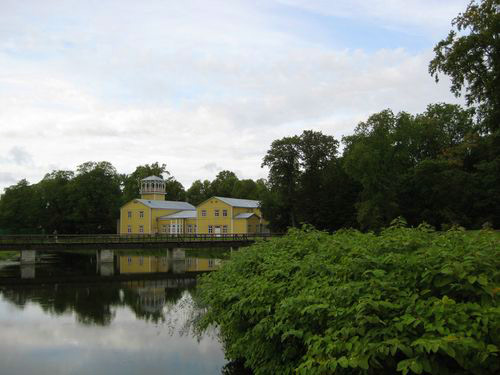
(152, 178)
(235, 202)
(167, 205)
(187, 214)
(245, 215)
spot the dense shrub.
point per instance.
(406, 300)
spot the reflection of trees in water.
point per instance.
(97, 303)
(91, 304)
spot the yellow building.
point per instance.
(220, 215)
(141, 216)
(216, 216)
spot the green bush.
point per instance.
(404, 301)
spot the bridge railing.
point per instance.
(130, 238)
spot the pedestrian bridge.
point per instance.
(128, 241)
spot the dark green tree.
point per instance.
(132, 182)
(283, 161)
(95, 198)
(470, 56)
(55, 205)
(20, 209)
(199, 192)
(174, 190)
(224, 183)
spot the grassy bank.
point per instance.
(406, 301)
(8, 255)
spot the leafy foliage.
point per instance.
(407, 301)
(307, 183)
(471, 57)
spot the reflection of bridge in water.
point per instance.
(173, 265)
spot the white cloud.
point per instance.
(426, 16)
(202, 87)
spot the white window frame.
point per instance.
(210, 229)
(224, 212)
(204, 213)
(216, 212)
(129, 214)
(190, 228)
(141, 213)
(129, 228)
(224, 229)
(141, 228)
(164, 228)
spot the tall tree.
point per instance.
(283, 161)
(20, 209)
(174, 190)
(132, 182)
(224, 183)
(55, 204)
(307, 183)
(198, 192)
(470, 55)
(371, 158)
(95, 198)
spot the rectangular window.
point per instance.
(210, 229)
(224, 229)
(195, 228)
(190, 228)
(203, 212)
(129, 260)
(211, 263)
(129, 229)
(224, 212)
(141, 228)
(141, 213)
(164, 228)
(216, 212)
(129, 214)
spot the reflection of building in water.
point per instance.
(151, 299)
(153, 264)
(154, 294)
(143, 264)
(201, 264)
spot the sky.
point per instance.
(203, 86)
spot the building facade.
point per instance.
(216, 216)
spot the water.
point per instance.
(70, 314)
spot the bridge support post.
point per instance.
(28, 256)
(105, 256)
(178, 254)
(28, 271)
(106, 269)
(105, 262)
(177, 260)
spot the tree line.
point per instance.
(88, 200)
(441, 166)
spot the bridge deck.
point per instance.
(129, 241)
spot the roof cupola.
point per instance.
(153, 188)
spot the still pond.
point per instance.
(70, 314)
